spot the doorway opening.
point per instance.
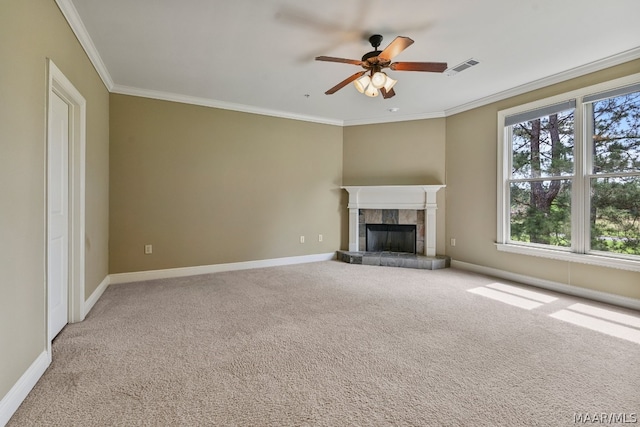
(65, 202)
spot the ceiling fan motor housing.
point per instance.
(371, 54)
(375, 41)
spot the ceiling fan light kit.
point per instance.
(373, 81)
(362, 83)
(378, 79)
(370, 85)
(389, 83)
(371, 91)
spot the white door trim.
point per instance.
(59, 85)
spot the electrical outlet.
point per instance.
(301, 239)
(319, 237)
(148, 249)
(453, 242)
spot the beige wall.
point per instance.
(403, 153)
(209, 186)
(471, 196)
(30, 32)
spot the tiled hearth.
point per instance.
(395, 259)
(394, 204)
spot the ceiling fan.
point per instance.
(372, 80)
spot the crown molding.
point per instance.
(395, 118)
(592, 67)
(71, 15)
(77, 26)
(206, 102)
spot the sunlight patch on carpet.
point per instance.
(536, 296)
(599, 325)
(506, 298)
(625, 319)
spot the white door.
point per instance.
(58, 217)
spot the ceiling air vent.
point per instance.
(461, 67)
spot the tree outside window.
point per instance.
(615, 178)
(542, 160)
(572, 175)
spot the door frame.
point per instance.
(59, 85)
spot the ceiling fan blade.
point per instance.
(344, 83)
(386, 94)
(342, 60)
(434, 67)
(395, 47)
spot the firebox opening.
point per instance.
(391, 238)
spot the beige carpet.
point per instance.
(329, 344)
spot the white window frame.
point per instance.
(580, 196)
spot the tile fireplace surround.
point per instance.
(394, 204)
(395, 201)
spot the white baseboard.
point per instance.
(577, 291)
(95, 296)
(10, 403)
(139, 276)
(12, 400)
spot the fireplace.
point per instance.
(393, 226)
(391, 238)
(395, 205)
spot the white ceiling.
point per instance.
(258, 55)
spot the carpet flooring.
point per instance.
(332, 344)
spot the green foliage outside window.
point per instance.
(615, 200)
(542, 169)
(541, 209)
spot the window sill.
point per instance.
(602, 261)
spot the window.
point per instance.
(613, 124)
(569, 176)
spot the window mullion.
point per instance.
(580, 188)
(589, 131)
(612, 174)
(544, 178)
(506, 187)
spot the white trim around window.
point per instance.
(579, 251)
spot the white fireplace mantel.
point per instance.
(394, 197)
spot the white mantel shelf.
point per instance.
(394, 197)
